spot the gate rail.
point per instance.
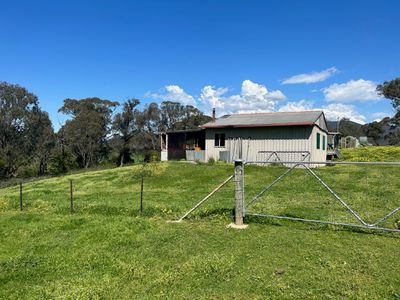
(305, 155)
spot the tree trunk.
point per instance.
(121, 164)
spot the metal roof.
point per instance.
(180, 130)
(266, 119)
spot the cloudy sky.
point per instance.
(236, 56)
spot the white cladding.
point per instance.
(246, 143)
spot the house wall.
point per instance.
(318, 154)
(253, 140)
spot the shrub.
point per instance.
(151, 156)
(62, 162)
(28, 171)
(211, 161)
(138, 157)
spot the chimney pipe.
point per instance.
(213, 114)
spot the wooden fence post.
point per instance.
(239, 192)
(20, 196)
(71, 195)
(141, 194)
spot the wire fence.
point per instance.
(77, 197)
(357, 194)
(152, 191)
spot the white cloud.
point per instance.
(174, 93)
(297, 106)
(253, 97)
(353, 90)
(332, 111)
(311, 77)
(211, 96)
(338, 110)
(378, 116)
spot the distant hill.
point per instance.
(382, 133)
(346, 127)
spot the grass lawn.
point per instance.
(107, 249)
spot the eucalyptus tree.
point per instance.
(87, 131)
(391, 90)
(124, 127)
(25, 130)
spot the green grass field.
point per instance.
(107, 249)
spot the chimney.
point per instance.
(213, 114)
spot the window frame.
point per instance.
(219, 140)
(318, 141)
(216, 140)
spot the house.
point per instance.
(284, 136)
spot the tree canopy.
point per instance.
(25, 130)
(125, 127)
(86, 132)
(391, 90)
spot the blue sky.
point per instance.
(235, 55)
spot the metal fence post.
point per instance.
(239, 192)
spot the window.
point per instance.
(323, 142)
(219, 140)
(216, 140)
(318, 140)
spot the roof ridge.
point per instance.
(275, 112)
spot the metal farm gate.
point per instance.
(241, 207)
(354, 220)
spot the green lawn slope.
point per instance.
(108, 249)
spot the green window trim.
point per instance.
(318, 140)
(323, 142)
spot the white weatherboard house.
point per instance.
(284, 136)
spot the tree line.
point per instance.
(95, 133)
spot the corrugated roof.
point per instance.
(266, 119)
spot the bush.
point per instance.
(151, 156)
(138, 157)
(28, 171)
(62, 162)
(114, 158)
(211, 161)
